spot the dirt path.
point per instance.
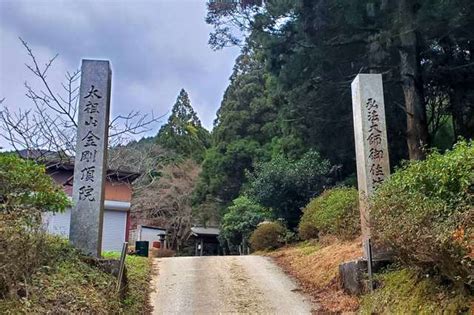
(225, 284)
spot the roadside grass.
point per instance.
(139, 270)
(308, 247)
(69, 285)
(316, 266)
(65, 285)
(405, 291)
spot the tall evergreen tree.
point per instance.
(242, 131)
(183, 132)
(296, 96)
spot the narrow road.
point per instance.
(225, 284)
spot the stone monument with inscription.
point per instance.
(371, 144)
(90, 164)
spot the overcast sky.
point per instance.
(156, 47)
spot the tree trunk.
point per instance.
(417, 127)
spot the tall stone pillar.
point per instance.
(90, 166)
(371, 144)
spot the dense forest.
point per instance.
(289, 94)
(284, 132)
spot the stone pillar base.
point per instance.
(354, 275)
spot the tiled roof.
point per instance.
(55, 160)
(200, 230)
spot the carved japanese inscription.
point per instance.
(370, 141)
(91, 154)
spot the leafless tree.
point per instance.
(166, 201)
(51, 123)
(143, 157)
(162, 194)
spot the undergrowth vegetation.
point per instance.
(315, 266)
(139, 271)
(69, 284)
(335, 212)
(25, 193)
(162, 252)
(425, 214)
(64, 284)
(241, 219)
(40, 273)
(405, 291)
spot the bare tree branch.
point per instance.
(52, 123)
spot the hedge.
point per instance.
(268, 235)
(424, 212)
(334, 212)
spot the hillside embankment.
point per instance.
(399, 290)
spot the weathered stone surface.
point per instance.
(352, 274)
(354, 278)
(91, 155)
(370, 141)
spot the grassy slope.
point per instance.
(69, 285)
(316, 268)
(139, 271)
(402, 291)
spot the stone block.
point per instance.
(354, 275)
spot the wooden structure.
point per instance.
(206, 240)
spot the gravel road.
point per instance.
(223, 285)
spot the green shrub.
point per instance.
(307, 229)
(241, 219)
(268, 235)
(25, 192)
(24, 184)
(285, 185)
(425, 213)
(334, 212)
